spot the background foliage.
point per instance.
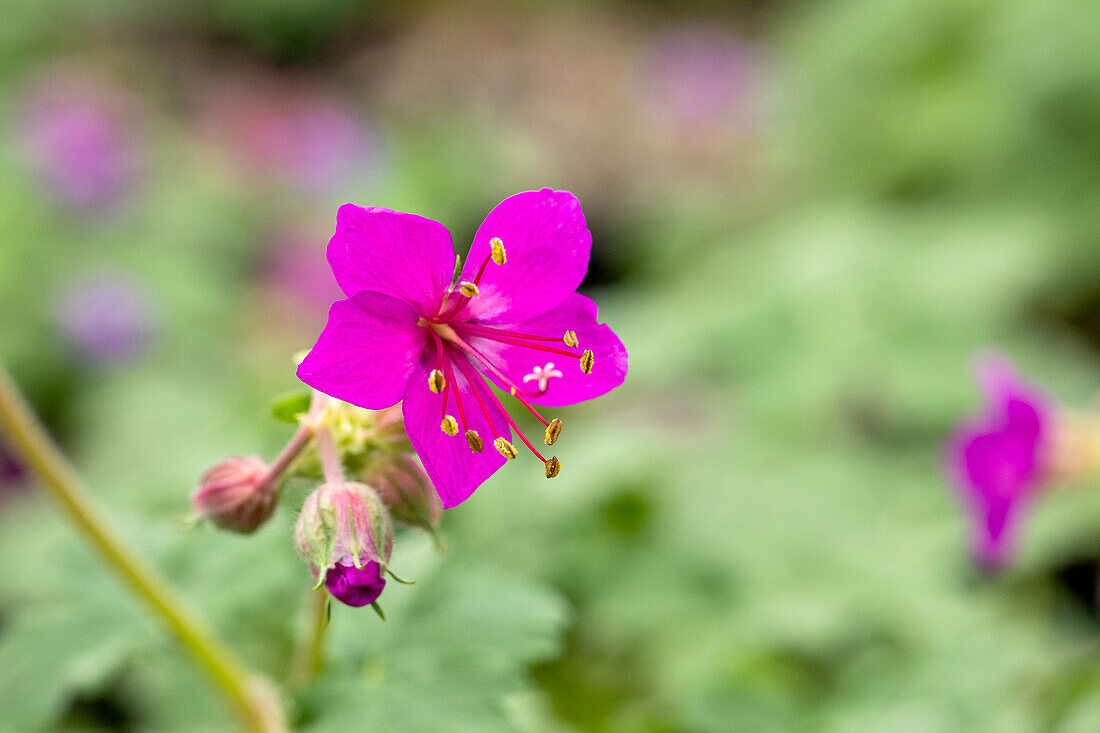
(753, 533)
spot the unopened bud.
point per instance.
(505, 448)
(474, 441)
(345, 533)
(553, 430)
(406, 490)
(497, 251)
(468, 288)
(235, 494)
(436, 382)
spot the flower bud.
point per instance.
(235, 494)
(406, 489)
(345, 533)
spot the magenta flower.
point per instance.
(406, 333)
(1000, 461)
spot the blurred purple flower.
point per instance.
(999, 461)
(75, 140)
(296, 268)
(315, 143)
(107, 318)
(700, 74)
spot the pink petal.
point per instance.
(547, 245)
(454, 469)
(367, 351)
(403, 255)
(578, 313)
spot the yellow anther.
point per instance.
(505, 448)
(553, 467)
(468, 288)
(553, 430)
(449, 426)
(570, 339)
(436, 381)
(497, 248)
(474, 441)
(586, 361)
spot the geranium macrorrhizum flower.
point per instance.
(1000, 461)
(406, 333)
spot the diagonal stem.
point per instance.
(253, 697)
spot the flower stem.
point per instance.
(293, 449)
(253, 697)
(309, 654)
(330, 458)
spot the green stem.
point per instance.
(309, 655)
(251, 695)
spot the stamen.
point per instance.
(586, 361)
(486, 331)
(449, 426)
(553, 467)
(474, 441)
(516, 342)
(515, 339)
(473, 379)
(450, 380)
(553, 430)
(570, 339)
(468, 289)
(505, 448)
(512, 388)
(436, 381)
(498, 254)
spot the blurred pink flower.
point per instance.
(700, 74)
(107, 318)
(999, 461)
(76, 140)
(314, 143)
(296, 268)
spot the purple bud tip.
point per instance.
(354, 586)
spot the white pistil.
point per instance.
(542, 375)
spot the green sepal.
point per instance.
(397, 577)
(289, 405)
(378, 610)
